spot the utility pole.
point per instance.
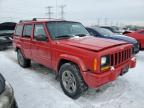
(98, 21)
(62, 11)
(106, 21)
(117, 24)
(49, 13)
(111, 23)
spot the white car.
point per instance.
(7, 99)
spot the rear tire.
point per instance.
(23, 62)
(71, 80)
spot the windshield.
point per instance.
(7, 33)
(66, 29)
(104, 32)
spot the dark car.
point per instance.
(104, 33)
(113, 29)
(7, 99)
(6, 31)
(5, 42)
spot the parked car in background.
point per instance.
(139, 36)
(105, 33)
(113, 29)
(6, 31)
(5, 42)
(7, 99)
(79, 60)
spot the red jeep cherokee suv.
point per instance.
(80, 60)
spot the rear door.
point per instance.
(41, 50)
(26, 40)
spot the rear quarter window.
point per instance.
(18, 30)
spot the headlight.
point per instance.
(103, 60)
(105, 63)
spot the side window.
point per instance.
(39, 31)
(27, 31)
(92, 32)
(18, 30)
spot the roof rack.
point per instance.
(35, 19)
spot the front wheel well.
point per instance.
(63, 61)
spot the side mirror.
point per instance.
(41, 38)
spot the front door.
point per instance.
(41, 50)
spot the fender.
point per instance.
(73, 59)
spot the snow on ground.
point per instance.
(36, 87)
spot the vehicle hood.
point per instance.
(124, 38)
(91, 43)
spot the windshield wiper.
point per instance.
(64, 36)
(81, 35)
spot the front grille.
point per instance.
(120, 57)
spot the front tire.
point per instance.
(71, 80)
(23, 62)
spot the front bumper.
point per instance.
(7, 97)
(95, 80)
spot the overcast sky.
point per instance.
(86, 11)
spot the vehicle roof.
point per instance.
(96, 28)
(43, 21)
(93, 27)
(106, 27)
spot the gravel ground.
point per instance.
(36, 87)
